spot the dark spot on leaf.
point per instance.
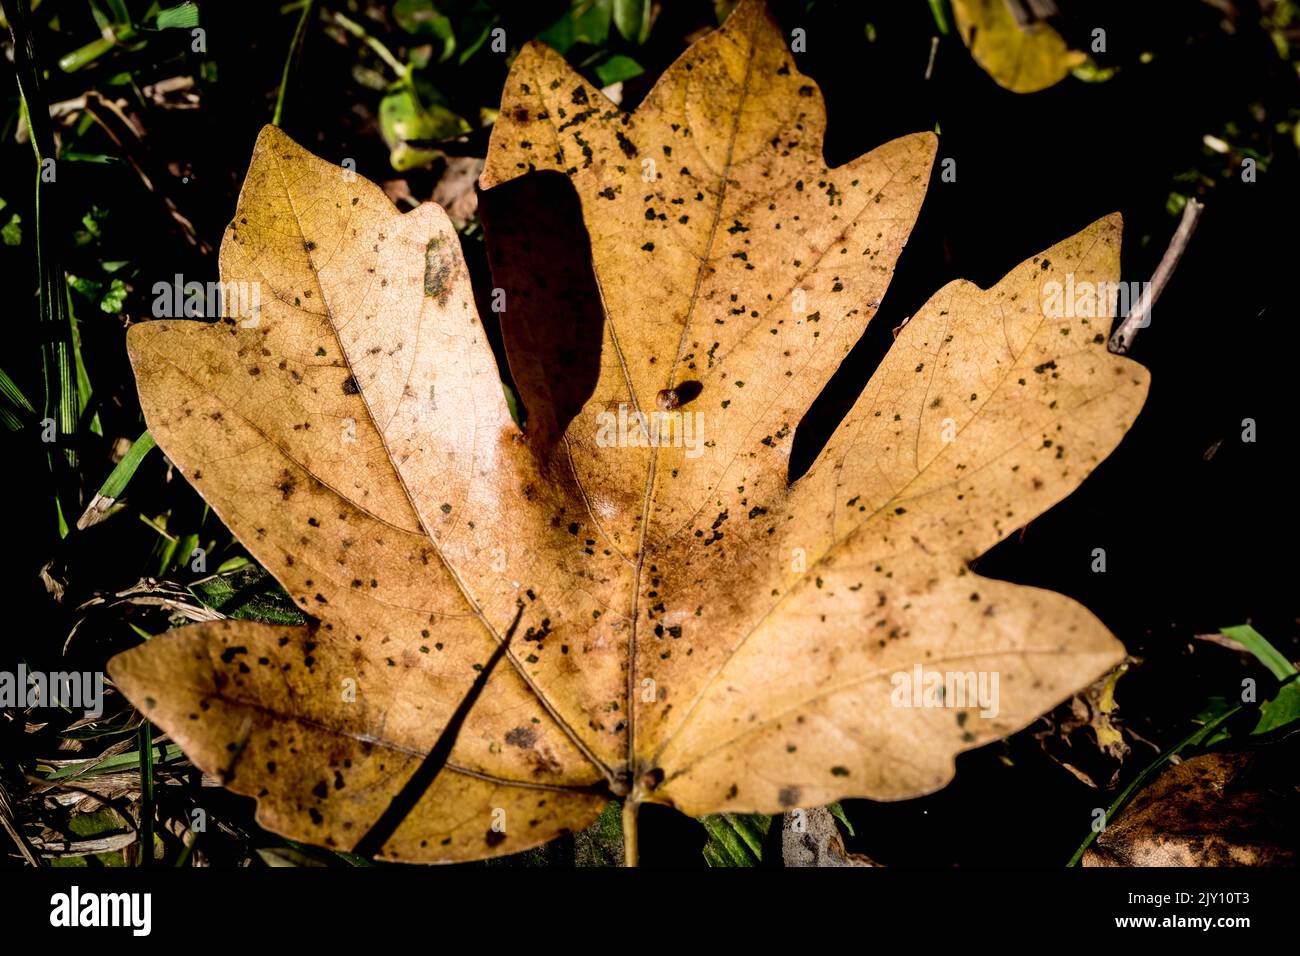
(523, 737)
(437, 268)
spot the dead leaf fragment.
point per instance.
(1209, 810)
(455, 189)
(1021, 58)
(812, 838)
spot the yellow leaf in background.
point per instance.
(1023, 59)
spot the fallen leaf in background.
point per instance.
(814, 839)
(1086, 737)
(1210, 810)
(456, 190)
(412, 128)
(1023, 59)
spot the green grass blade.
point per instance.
(1196, 737)
(184, 16)
(118, 762)
(13, 394)
(116, 482)
(295, 47)
(145, 855)
(1257, 644)
(735, 839)
(60, 403)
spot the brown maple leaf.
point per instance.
(685, 625)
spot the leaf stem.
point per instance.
(630, 848)
(144, 856)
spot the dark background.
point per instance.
(1198, 526)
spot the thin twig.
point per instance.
(295, 47)
(1139, 316)
(55, 849)
(402, 70)
(93, 101)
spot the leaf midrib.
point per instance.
(648, 502)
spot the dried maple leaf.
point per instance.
(690, 627)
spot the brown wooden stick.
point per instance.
(1139, 317)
